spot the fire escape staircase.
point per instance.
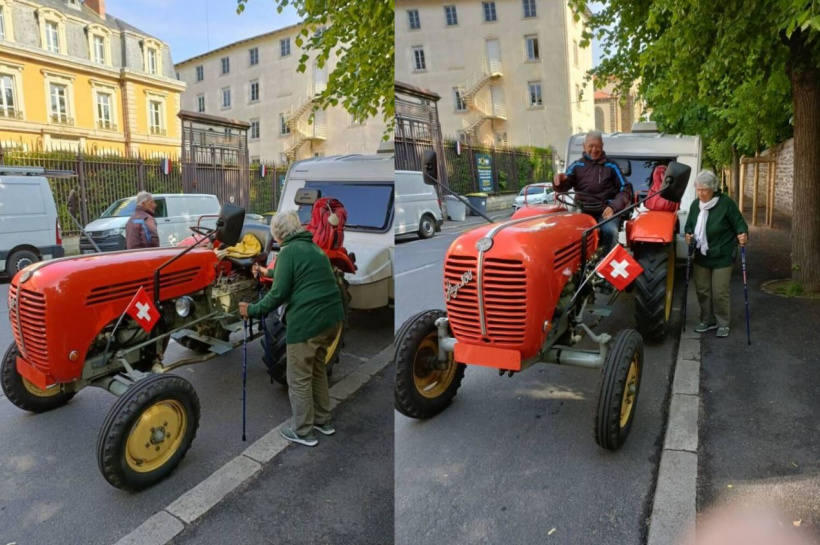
(482, 111)
(301, 130)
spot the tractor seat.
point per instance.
(261, 233)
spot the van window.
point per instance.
(195, 206)
(124, 208)
(642, 168)
(369, 206)
(26, 199)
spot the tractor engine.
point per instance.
(504, 283)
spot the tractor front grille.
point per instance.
(28, 324)
(125, 290)
(505, 300)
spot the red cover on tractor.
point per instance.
(657, 202)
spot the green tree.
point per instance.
(360, 33)
(744, 74)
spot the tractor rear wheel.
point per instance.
(424, 387)
(277, 364)
(618, 390)
(23, 393)
(148, 431)
(654, 289)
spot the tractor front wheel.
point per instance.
(148, 431)
(618, 390)
(424, 386)
(23, 393)
(654, 289)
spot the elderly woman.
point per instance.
(303, 279)
(714, 222)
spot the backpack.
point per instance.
(656, 202)
(325, 235)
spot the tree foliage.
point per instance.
(359, 33)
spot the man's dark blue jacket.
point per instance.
(601, 178)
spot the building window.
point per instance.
(226, 97)
(413, 18)
(578, 96)
(529, 8)
(600, 123)
(59, 104)
(254, 91)
(2, 24)
(418, 58)
(489, 12)
(200, 104)
(52, 37)
(254, 53)
(200, 73)
(450, 15)
(532, 48)
(283, 125)
(284, 47)
(535, 93)
(575, 52)
(226, 65)
(155, 117)
(104, 115)
(177, 74)
(8, 104)
(152, 61)
(460, 105)
(255, 130)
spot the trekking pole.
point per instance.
(244, 376)
(264, 322)
(746, 294)
(689, 253)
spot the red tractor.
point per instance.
(518, 293)
(55, 355)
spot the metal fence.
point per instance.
(103, 179)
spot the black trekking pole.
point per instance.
(746, 294)
(244, 375)
(689, 253)
(264, 322)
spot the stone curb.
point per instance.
(674, 508)
(163, 526)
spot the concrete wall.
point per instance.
(784, 178)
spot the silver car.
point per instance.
(534, 194)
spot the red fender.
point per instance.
(652, 226)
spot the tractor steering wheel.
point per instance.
(597, 204)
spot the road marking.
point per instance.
(416, 269)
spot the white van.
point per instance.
(645, 148)
(364, 184)
(29, 226)
(175, 214)
(418, 208)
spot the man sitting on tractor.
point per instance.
(601, 189)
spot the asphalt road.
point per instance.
(50, 488)
(514, 460)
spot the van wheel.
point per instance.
(427, 226)
(19, 260)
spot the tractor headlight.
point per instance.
(184, 306)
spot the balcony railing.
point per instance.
(11, 113)
(106, 125)
(62, 119)
(159, 131)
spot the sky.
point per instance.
(184, 26)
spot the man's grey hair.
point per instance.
(707, 180)
(143, 197)
(285, 225)
(594, 135)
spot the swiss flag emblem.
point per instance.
(618, 268)
(143, 310)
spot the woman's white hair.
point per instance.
(285, 225)
(143, 197)
(707, 180)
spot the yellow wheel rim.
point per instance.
(34, 390)
(430, 381)
(332, 348)
(670, 282)
(156, 436)
(630, 389)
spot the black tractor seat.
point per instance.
(262, 234)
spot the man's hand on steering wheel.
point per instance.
(607, 213)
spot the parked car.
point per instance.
(364, 184)
(175, 214)
(29, 226)
(534, 194)
(418, 207)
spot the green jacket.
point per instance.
(303, 279)
(725, 222)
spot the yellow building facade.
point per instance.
(74, 77)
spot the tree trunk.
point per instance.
(735, 174)
(805, 80)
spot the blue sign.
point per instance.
(484, 166)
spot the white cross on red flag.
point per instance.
(143, 310)
(618, 268)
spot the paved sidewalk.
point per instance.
(759, 432)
